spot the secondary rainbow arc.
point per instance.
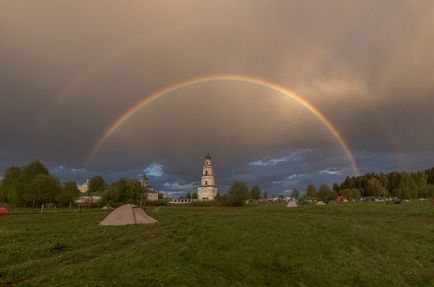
(119, 121)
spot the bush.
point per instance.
(205, 203)
(160, 202)
(326, 194)
(124, 190)
(426, 191)
(57, 247)
(237, 194)
(311, 191)
(351, 193)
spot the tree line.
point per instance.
(237, 195)
(32, 185)
(404, 185)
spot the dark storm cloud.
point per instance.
(68, 69)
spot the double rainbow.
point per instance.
(225, 77)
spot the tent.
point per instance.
(291, 203)
(320, 203)
(3, 211)
(127, 214)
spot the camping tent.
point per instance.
(291, 203)
(3, 211)
(127, 214)
(320, 203)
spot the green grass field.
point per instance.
(363, 244)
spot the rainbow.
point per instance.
(225, 77)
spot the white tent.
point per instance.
(127, 214)
(291, 203)
(320, 203)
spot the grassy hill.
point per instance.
(364, 244)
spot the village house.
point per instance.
(152, 196)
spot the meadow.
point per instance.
(355, 244)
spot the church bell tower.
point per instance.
(207, 189)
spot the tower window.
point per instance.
(206, 182)
(206, 172)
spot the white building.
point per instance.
(152, 196)
(92, 199)
(207, 189)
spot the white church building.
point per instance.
(207, 189)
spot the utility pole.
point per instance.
(144, 180)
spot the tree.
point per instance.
(356, 193)
(68, 193)
(43, 189)
(311, 191)
(421, 178)
(194, 195)
(430, 176)
(97, 184)
(237, 194)
(323, 192)
(295, 194)
(188, 195)
(326, 194)
(375, 188)
(18, 180)
(3, 194)
(336, 188)
(33, 169)
(426, 191)
(124, 190)
(265, 195)
(332, 196)
(110, 196)
(392, 182)
(351, 193)
(13, 185)
(255, 192)
(348, 183)
(407, 187)
(130, 190)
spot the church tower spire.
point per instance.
(207, 189)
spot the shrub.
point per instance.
(57, 247)
(237, 194)
(160, 202)
(311, 191)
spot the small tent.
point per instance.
(127, 214)
(291, 203)
(320, 203)
(3, 211)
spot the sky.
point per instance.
(69, 69)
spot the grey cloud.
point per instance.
(66, 73)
